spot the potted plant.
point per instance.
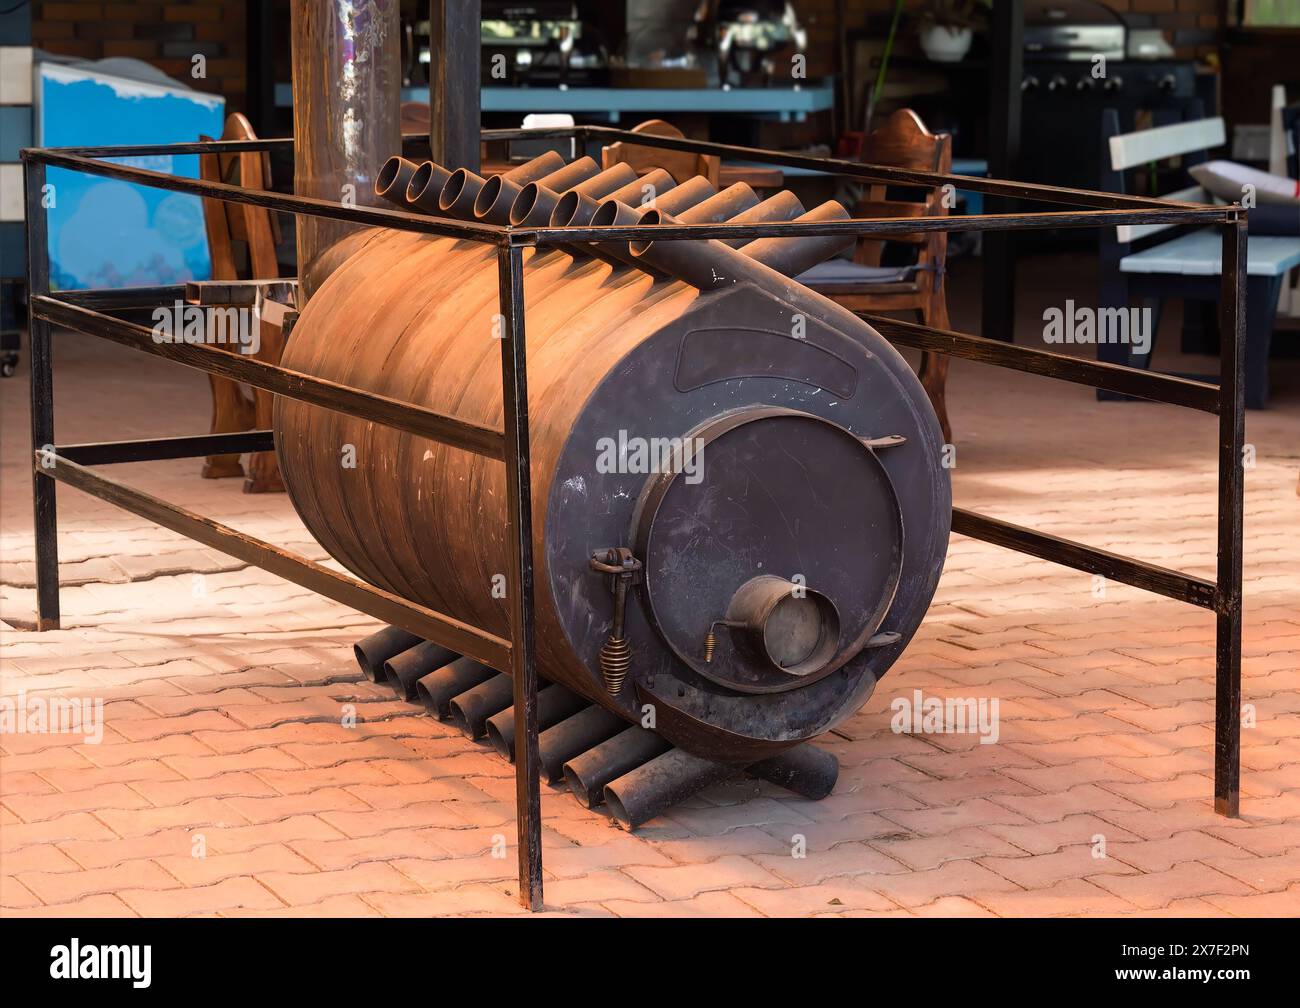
(947, 27)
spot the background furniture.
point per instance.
(681, 165)
(1134, 263)
(248, 233)
(1284, 159)
(863, 284)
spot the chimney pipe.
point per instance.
(346, 93)
(454, 43)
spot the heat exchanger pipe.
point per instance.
(394, 179)
(641, 794)
(426, 186)
(792, 256)
(711, 265)
(408, 668)
(574, 736)
(437, 689)
(371, 652)
(576, 209)
(806, 770)
(471, 709)
(554, 704)
(463, 188)
(588, 774)
(537, 201)
(715, 207)
(498, 195)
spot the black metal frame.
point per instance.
(87, 311)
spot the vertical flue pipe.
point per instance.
(346, 95)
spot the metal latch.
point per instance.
(624, 572)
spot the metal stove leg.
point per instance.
(1232, 438)
(38, 333)
(514, 380)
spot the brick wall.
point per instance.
(166, 34)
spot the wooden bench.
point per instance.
(1137, 263)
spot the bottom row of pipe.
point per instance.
(634, 772)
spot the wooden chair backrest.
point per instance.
(904, 142)
(1178, 132)
(227, 223)
(681, 165)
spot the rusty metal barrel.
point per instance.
(756, 465)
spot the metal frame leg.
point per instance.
(45, 511)
(1232, 438)
(514, 383)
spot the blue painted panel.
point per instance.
(107, 233)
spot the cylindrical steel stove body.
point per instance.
(721, 434)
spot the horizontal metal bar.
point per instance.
(1161, 388)
(122, 298)
(400, 220)
(186, 147)
(882, 173)
(77, 158)
(857, 227)
(1148, 577)
(158, 449)
(293, 384)
(435, 626)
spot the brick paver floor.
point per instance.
(245, 767)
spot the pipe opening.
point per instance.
(605, 215)
(578, 788)
(566, 209)
(458, 717)
(419, 182)
(524, 203)
(369, 670)
(487, 195)
(454, 187)
(387, 175)
(498, 742)
(649, 217)
(614, 806)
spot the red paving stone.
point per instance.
(226, 783)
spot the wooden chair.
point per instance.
(681, 165)
(256, 229)
(863, 284)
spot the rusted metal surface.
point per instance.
(471, 709)
(346, 82)
(689, 718)
(554, 704)
(404, 671)
(437, 689)
(373, 651)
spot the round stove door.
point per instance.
(772, 548)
